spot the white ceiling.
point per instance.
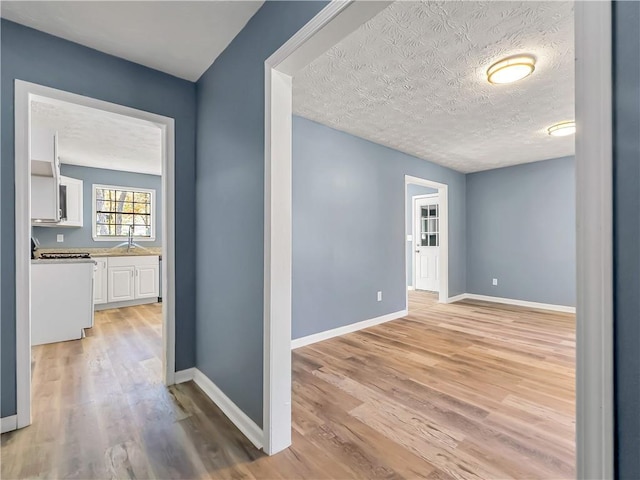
(99, 139)
(181, 38)
(414, 79)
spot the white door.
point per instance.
(427, 243)
(120, 284)
(100, 282)
(147, 281)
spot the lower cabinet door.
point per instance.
(147, 281)
(100, 282)
(121, 284)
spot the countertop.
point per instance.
(107, 252)
(58, 261)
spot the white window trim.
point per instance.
(101, 238)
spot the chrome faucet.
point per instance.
(130, 239)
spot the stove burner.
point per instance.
(55, 256)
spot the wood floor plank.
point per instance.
(470, 390)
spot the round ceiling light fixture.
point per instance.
(562, 129)
(511, 69)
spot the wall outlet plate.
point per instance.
(60, 238)
(495, 282)
(379, 296)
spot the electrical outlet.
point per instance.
(495, 282)
(379, 296)
(60, 238)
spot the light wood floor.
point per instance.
(468, 390)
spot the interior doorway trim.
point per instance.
(594, 240)
(25, 92)
(443, 196)
(594, 217)
(334, 22)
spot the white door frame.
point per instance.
(415, 233)
(25, 92)
(337, 20)
(443, 196)
(594, 240)
(594, 247)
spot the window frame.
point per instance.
(116, 238)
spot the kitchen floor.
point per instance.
(466, 390)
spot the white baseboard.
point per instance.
(184, 375)
(457, 298)
(9, 423)
(240, 419)
(354, 327)
(512, 301)
(411, 287)
(126, 303)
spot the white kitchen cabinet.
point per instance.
(120, 285)
(74, 203)
(133, 278)
(147, 283)
(44, 200)
(100, 282)
(45, 196)
(45, 177)
(44, 152)
(61, 296)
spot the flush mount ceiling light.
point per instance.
(511, 69)
(562, 129)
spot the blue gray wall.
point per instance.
(521, 224)
(230, 228)
(349, 224)
(40, 58)
(412, 191)
(626, 231)
(82, 237)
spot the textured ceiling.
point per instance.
(182, 38)
(99, 139)
(414, 78)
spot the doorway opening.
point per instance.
(593, 147)
(427, 236)
(94, 193)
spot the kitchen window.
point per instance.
(122, 211)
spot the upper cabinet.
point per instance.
(44, 153)
(70, 201)
(45, 177)
(56, 201)
(71, 192)
(45, 201)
